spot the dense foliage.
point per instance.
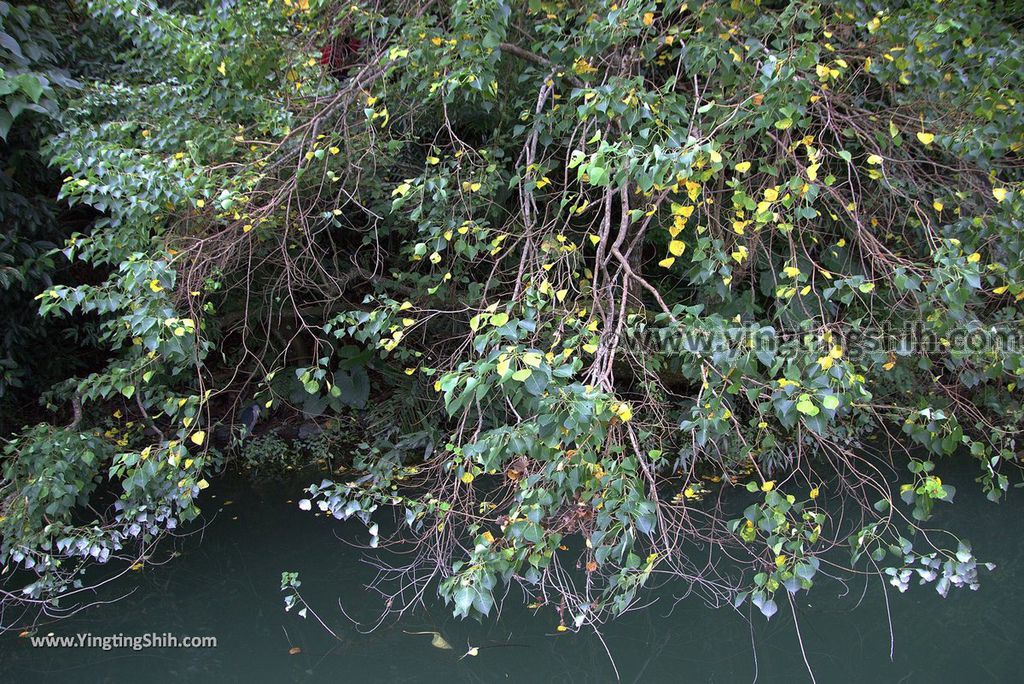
(567, 269)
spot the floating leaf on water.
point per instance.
(294, 650)
(437, 641)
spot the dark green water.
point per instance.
(226, 583)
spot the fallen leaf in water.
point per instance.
(473, 651)
(25, 634)
(436, 640)
(294, 650)
(137, 566)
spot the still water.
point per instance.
(226, 583)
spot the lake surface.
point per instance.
(226, 583)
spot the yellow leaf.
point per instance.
(743, 167)
(686, 211)
(198, 438)
(561, 628)
(874, 159)
(771, 194)
(1000, 290)
(791, 271)
(648, 18)
(974, 258)
(677, 247)
(155, 285)
(768, 486)
(623, 410)
(667, 262)
(223, 69)
(999, 194)
(203, 484)
(532, 359)
(937, 205)
(814, 493)
(925, 138)
(467, 477)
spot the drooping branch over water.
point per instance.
(481, 237)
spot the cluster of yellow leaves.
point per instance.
(622, 410)
(583, 67)
(834, 354)
(676, 247)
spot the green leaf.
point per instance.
(522, 375)
(807, 407)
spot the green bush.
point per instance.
(534, 217)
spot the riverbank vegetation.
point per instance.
(544, 287)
